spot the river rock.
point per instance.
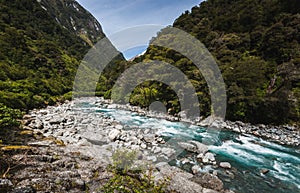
(201, 148)
(143, 145)
(146, 131)
(56, 120)
(156, 150)
(225, 165)
(208, 158)
(205, 190)
(168, 151)
(184, 161)
(180, 181)
(196, 169)
(161, 165)
(59, 133)
(149, 138)
(206, 122)
(236, 129)
(36, 124)
(86, 121)
(25, 189)
(264, 171)
(5, 183)
(187, 146)
(209, 181)
(182, 185)
(160, 140)
(27, 116)
(119, 127)
(152, 158)
(113, 134)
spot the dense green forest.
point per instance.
(256, 45)
(38, 57)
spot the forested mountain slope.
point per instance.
(41, 46)
(256, 45)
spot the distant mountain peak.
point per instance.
(72, 16)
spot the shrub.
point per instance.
(9, 117)
(129, 178)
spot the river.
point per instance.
(247, 154)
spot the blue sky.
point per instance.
(117, 15)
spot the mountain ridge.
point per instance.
(72, 16)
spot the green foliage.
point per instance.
(38, 56)
(143, 96)
(9, 117)
(128, 179)
(123, 160)
(256, 45)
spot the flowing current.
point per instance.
(247, 154)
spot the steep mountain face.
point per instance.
(41, 45)
(256, 45)
(72, 16)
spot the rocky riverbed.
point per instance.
(283, 134)
(74, 141)
(71, 148)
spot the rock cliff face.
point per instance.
(72, 16)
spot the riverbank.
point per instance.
(71, 146)
(84, 128)
(283, 134)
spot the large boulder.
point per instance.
(201, 148)
(187, 146)
(194, 146)
(179, 180)
(209, 181)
